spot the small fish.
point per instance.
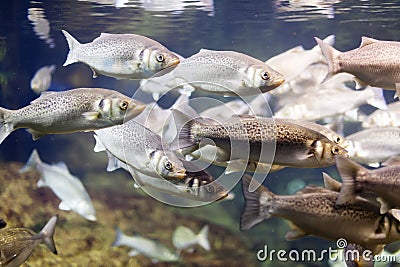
(41, 81)
(63, 184)
(294, 61)
(374, 146)
(122, 56)
(383, 118)
(225, 73)
(140, 148)
(183, 238)
(152, 249)
(17, 244)
(313, 211)
(332, 102)
(383, 182)
(374, 63)
(81, 109)
(244, 138)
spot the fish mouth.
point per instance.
(135, 109)
(173, 62)
(180, 174)
(278, 81)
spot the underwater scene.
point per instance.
(199, 133)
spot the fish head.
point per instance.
(160, 59)
(325, 151)
(167, 164)
(264, 77)
(85, 209)
(119, 108)
(338, 139)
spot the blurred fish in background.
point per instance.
(41, 26)
(41, 80)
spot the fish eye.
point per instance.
(124, 105)
(265, 75)
(160, 58)
(335, 150)
(338, 140)
(168, 165)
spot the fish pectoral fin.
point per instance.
(94, 73)
(114, 163)
(237, 165)
(63, 206)
(91, 115)
(384, 205)
(35, 135)
(395, 213)
(133, 253)
(294, 233)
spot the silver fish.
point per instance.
(65, 186)
(75, 110)
(313, 211)
(17, 244)
(152, 249)
(226, 73)
(374, 146)
(374, 63)
(383, 118)
(141, 149)
(122, 56)
(332, 102)
(383, 182)
(41, 81)
(183, 238)
(41, 25)
(244, 138)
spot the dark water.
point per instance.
(261, 29)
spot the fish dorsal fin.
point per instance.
(311, 189)
(367, 41)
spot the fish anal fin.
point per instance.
(294, 232)
(384, 205)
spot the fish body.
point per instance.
(332, 102)
(41, 81)
(314, 211)
(64, 185)
(244, 138)
(383, 182)
(374, 146)
(384, 118)
(141, 149)
(122, 56)
(374, 63)
(183, 238)
(81, 109)
(152, 249)
(17, 244)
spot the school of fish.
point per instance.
(282, 117)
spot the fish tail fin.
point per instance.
(33, 160)
(330, 55)
(378, 99)
(184, 125)
(119, 237)
(251, 214)
(5, 127)
(48, 232)
(72, 44)
(348, 170)
(203, 238)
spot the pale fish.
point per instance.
(122, 56)
(64, 185)
(374, 146)
(225, 73)
(384, 183)
(140, 148)
(244, 140)
(75, 110)
(332, 102)
(313, 211)
(183, 238)
(383, 118)
(152, 249)
(41, 81)
(294, 61)
(41, 25)
(374, 63)
(177, 6)
(17, 244)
